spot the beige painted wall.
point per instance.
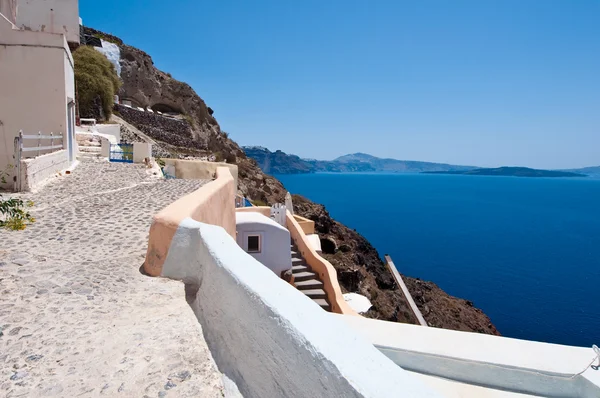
(8, 8)
(52, 16)
(199, 170)
(37, 81)
(308, 226)
(213, 203)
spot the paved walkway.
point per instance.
(77, 318)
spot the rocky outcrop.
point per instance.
(161, 128)
(358, 264)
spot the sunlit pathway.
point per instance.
(77, 317)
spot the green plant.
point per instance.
(12, 213)
(160, 162)
(95, 77)
(259, 202)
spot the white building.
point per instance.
(37, 84)
(265, 240)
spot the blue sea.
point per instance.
(524, 250)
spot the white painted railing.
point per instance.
(26, 151)
(278, 213)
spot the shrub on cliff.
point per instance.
(96, 82)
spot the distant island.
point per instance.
(279, 162)
(510, 171)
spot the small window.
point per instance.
(254, 244)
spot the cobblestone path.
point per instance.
(77, 318)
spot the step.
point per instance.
(308, 284)
(323, 303)
(300, 268)
(315, 293)
(304, 276)
(90, 149)
(298, 261)
(88, 155)
(295, 253)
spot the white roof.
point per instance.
(245, 218)
(357, 302)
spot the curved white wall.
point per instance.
(268, 337)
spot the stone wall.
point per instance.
(161, 128)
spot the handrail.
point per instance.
(319, 265)
(400, 282)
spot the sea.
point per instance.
(524, 250)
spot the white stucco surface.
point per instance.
(315, 242)
(108, 129)
(113, 53)
(358, 302)
(141, 151)
(36, 172)
(269, 338)
(275, 251)
(36, 77)
(504, 363)
(50, 16)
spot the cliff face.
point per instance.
(359, 266)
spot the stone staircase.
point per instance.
(90, 145)
(307, 281)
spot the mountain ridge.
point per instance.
(279, 162)
(511, 172)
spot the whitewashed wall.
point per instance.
(35, 172)
(50, 16)
(268, 337)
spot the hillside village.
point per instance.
(159, 260)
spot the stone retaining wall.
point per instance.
(161, 128)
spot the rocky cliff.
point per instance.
(359, 266)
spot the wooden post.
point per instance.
(404, 289)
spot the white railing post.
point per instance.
(39, 142)
(288, 203)
(52, 140)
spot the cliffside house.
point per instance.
(265, 240)
(37, 82)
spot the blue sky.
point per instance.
(489, 83)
